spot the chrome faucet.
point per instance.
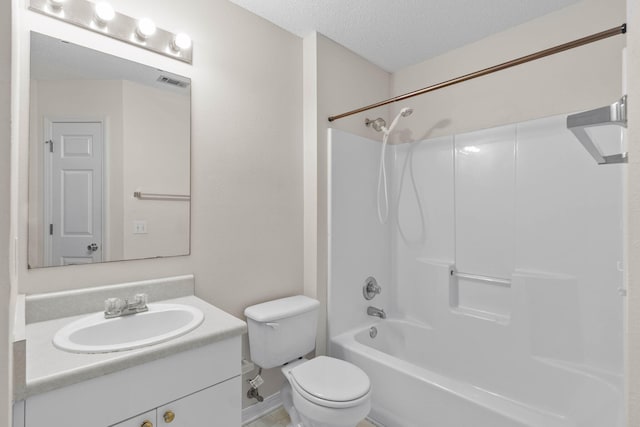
(117, 307)
(377, 312)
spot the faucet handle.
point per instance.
(370, 288)
(141, 299)
(112, 305)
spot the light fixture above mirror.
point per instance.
(145, 28)
(104, 13)
(56, 4)
(100, 17)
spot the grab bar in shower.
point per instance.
(614, 114)
(158, 196)
(489, 279)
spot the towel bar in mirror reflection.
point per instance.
(160, 196)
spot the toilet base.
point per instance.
(310, 413)
(287, 403)
(306, 414)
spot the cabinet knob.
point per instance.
(147, 424)
(169, 416)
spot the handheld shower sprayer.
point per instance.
(405, 112)
(380, 125)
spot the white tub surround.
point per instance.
(501, 268)
(49, 368)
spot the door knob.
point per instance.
(92, 247)
(147, 424)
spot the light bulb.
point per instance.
(104, 13)
(146, 28)
(56, 4)
(181, 42)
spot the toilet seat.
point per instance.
(330, 382)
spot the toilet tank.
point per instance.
(282, 330)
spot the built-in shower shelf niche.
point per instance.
(481, 297)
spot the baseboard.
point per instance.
(254, 412)
(270, 404)
(375, 423)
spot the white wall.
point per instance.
(632, 334)
(577, 79)
(335, 80)
(246, 209)
(6, 292)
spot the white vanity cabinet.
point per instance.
(214, 406)
(201, 387)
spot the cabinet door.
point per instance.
(139, 420)
(217, 406)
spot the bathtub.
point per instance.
(422, 379)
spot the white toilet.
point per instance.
(321, 392)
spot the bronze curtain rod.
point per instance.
(518, 61)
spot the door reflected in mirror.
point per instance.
(109, 157)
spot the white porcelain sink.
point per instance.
(95, 334)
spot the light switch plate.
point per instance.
(139, 227)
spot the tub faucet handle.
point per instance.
(370, 288)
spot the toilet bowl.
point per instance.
(325, 392)
(321, 392)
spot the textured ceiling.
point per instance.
(394, 34)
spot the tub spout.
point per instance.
(377, 312)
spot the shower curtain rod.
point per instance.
(518, 61)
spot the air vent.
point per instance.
(173, 82)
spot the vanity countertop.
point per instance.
(49, 368)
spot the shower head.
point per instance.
(378, 124)
(405, 112)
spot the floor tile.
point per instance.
(280, 418)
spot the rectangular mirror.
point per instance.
(109, 157)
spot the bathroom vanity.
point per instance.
(193, 379)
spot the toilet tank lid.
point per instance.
(281, 308)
